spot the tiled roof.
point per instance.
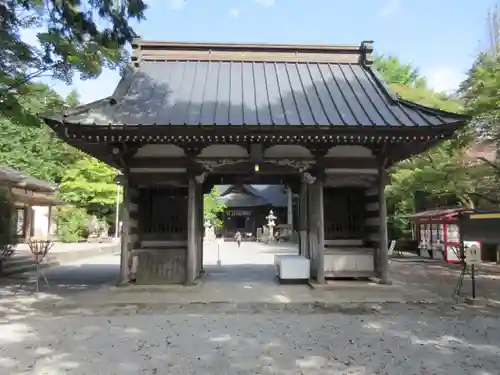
(254, 195)
(249, 87)
(12, 176)
(437, 213)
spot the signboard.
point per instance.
(238, 213)
(473, 254)
(220, 241)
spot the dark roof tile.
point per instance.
(257, 93)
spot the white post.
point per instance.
(117, 213)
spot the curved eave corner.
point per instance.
(454, 118)
(451, 118)
(55, 120)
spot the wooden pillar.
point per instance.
(303, 239)
(289, 207)
(125, 230)
(191, 256)
(316, 230)
(49, 221)
(320, 230)
(200, 227)
(28, 222)
(382, 262)
(134, 240)
(312, 229)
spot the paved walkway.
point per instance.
(246, 277)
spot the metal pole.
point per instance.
(117, 213)
(473, 276)
(218, 254)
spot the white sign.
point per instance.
(473, 254)
(220, 241)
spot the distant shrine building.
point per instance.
(247, 206)
(317, 119)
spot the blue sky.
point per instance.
(441, 37)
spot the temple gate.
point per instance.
(319, 119)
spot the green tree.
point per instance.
(35, 149)
(72, 36)
(395, 71)
(212, 206)
(442, 170)
(90, 184)
(72, 223)
(481, 87)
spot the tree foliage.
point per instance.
(35, 149)
(212, 206)
(71, 36)
(481, 94)
(396, 72)
(72, 223)
(442, 170)
(89, 183)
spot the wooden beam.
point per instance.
(239, 164)
(158, 179)
(266, 179)
(278, 134)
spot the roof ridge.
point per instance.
(164, 51)
(381, 84)
(138, 43)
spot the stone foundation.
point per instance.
(161, 266)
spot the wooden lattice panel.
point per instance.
(163, 212)
(344, 211)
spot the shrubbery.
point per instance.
(72, 223)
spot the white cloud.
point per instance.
(177, 4)
(266, 3)
(234, 13)
(390, 8)
(444, 78)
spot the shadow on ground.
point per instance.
(240, 273)
(441, 278)
(63, 278)
(407, 340)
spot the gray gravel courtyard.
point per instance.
(401, 339)
(118, 333)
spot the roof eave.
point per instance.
(459, 118)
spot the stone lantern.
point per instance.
(270, 225)
(209, 230)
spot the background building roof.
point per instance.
(11, 176)
(253, 195)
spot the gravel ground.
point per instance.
(397, 340)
